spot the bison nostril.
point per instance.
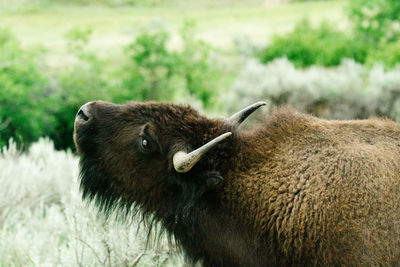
(83, 114)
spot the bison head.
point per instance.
(158, 157)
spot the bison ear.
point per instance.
(237, 118)
(213, 178)
(208, 179)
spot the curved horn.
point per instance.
(237, 118)
(183, 162)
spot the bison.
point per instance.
(295, 190)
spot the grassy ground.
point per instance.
(115, 27)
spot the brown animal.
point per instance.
(294, 191)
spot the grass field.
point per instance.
(114, 27)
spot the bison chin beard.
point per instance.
(177, 208)
(183, 209)
(96, 187)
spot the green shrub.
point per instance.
(387, 54)
(156, 72)
(39, 102)
(74, 86)
(151, 71)
(376, 21)
(200, 76)
(374, 38)
(306, 46)
(24, 93)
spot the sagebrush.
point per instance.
(43, 221)
(350, 91)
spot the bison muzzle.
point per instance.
(294, 191)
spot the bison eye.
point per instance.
(145, 144)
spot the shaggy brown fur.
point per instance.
(296, 190)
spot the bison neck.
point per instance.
(209, 230)
(217, 227)
(210, 234)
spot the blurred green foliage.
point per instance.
(388, 54)
(376, 21)
(200, 74)
(24, 92)
(39, 102)
(306, 46)
(150, 72)
(75, 85)
(374, 38)
(157, 72)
